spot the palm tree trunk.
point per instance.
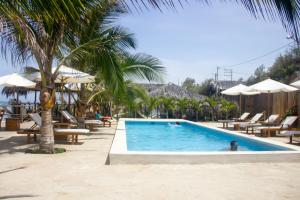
(47, 135)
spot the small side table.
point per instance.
(12, 124)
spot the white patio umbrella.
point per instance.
(296, 84)
(16, 80)
(67, 75)
(240, 90)
(269, 86)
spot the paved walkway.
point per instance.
(81, 173)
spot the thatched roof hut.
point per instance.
(170, 90)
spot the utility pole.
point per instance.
(228, 73)
(217, 75)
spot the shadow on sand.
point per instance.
(17, 196)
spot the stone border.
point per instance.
(120, 155)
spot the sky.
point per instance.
(194, 40)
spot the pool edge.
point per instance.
(120, 155)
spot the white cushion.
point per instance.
(92, 121)
(71, 130)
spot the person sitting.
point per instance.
(98, 115)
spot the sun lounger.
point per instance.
(35, 129)
(268, 122)
(293, 134)
(253, 120)
(73, 121)
(243, 117)
(286, 124)
(70, 132)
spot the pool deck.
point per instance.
(81, 173)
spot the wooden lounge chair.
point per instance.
(72, 121)
(271, 121)
(253, 120)
(293, 134)
(243, 117)
(35, 129)
(286, 124)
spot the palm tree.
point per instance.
(196, 106)
(227, 107)
(212, 103)
(43, 30)
(36, 29)
(151, 104)
(182, 105)
(168, 104)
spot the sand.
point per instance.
(81, 173)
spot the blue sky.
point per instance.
(193, 41)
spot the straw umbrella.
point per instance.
(269, 86)
(240, 90)
(16, 81)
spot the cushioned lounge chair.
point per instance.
(243, 117)
(271, 121)
(253, 120)
(293, 134)
(286, 124)
(72, 121)
(35, 129)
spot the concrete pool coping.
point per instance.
(120, 155)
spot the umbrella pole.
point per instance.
(268, 111)
(69, 101)
(240, 104)
(34, 100)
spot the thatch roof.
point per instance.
(170, 90)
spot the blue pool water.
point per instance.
(167, 136)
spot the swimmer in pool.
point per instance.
(174, 124)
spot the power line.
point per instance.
(259, 57)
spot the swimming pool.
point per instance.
(169, 136)
(140, 141)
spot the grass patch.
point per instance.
(38, 151)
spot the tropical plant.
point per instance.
(227, 107)
(38, 29)
(151, 104)
(182, 105)
(196, 106)
(213, 106)
(168, 104)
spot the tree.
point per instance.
(190, 85)
(212, 103)
(227, 107)
(260, 74)
(182, 105)
(196, 106)
(38, 29)
(286, 68)
(168, 104)
(208, 88)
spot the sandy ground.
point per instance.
(81, 173)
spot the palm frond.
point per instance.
(143, 67)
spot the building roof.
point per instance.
(171, 90)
